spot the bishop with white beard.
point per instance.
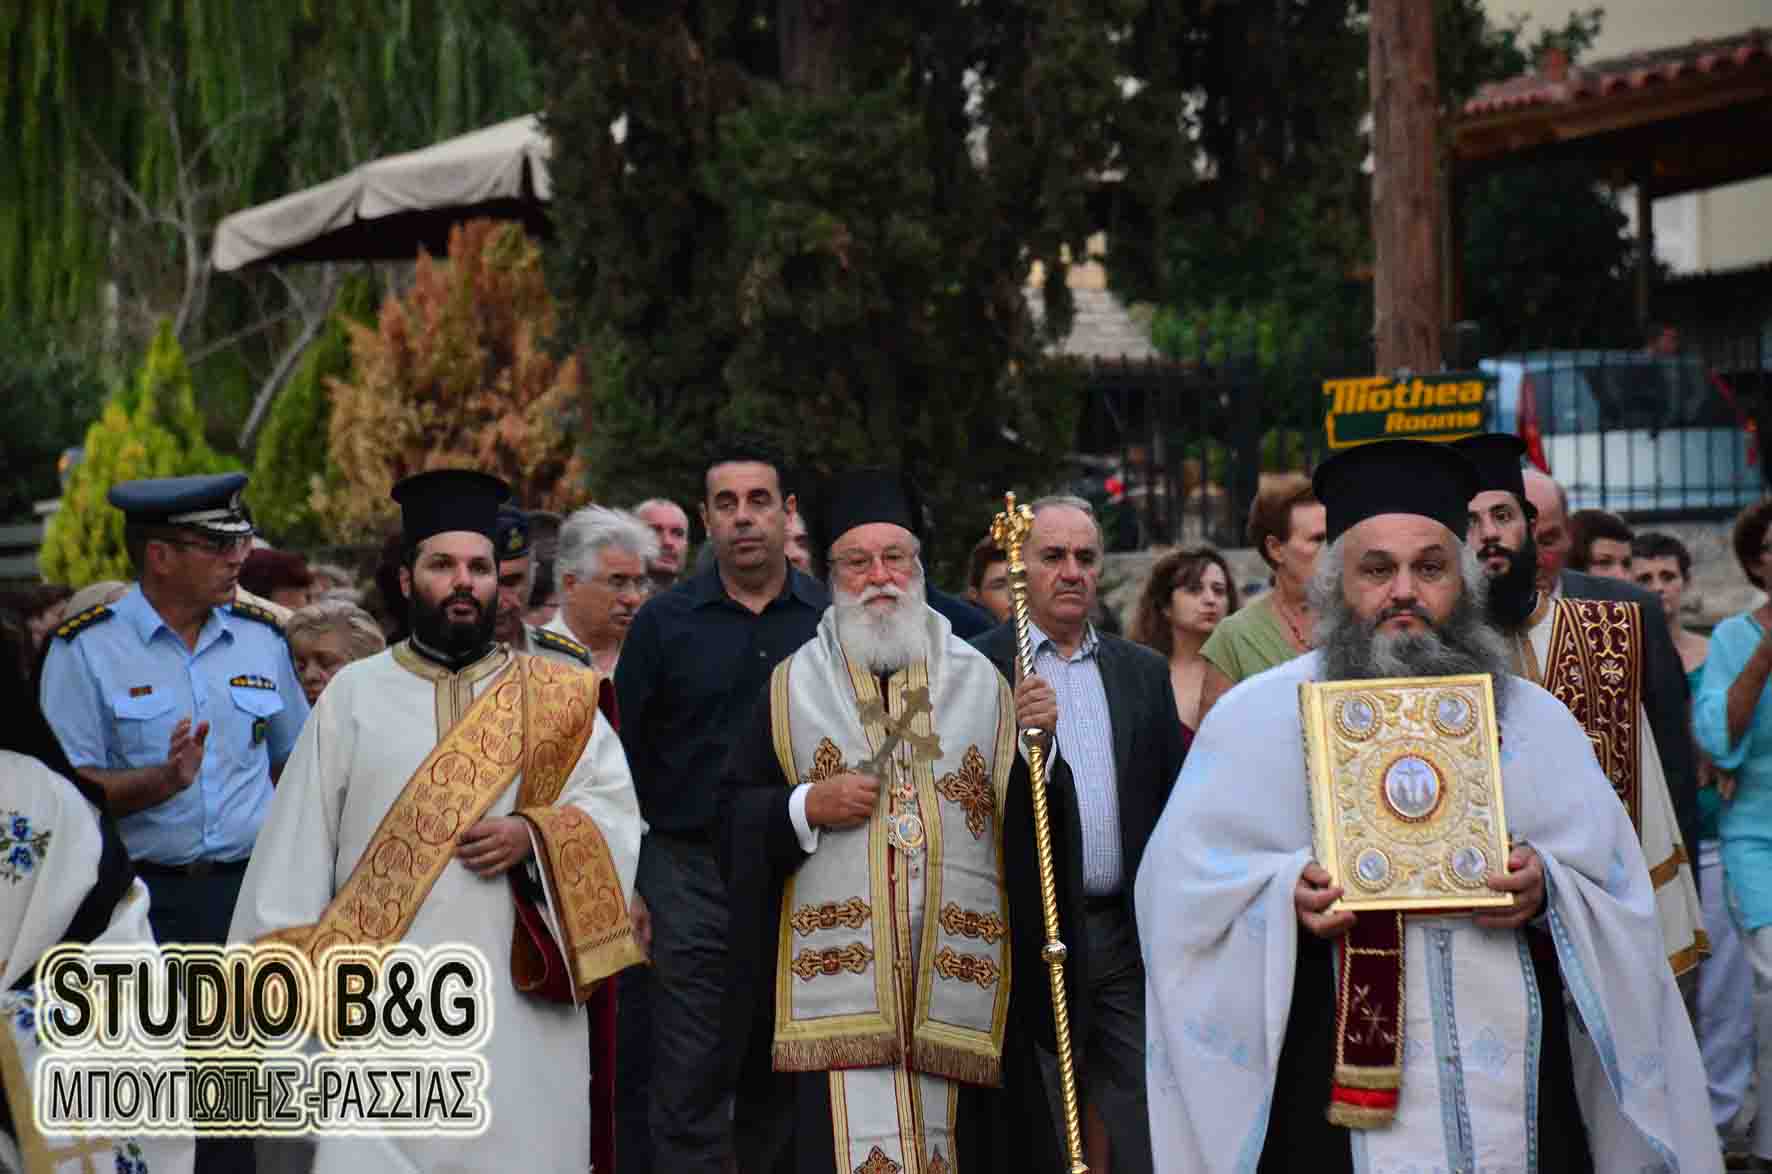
(864, 824)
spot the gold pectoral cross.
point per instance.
(924, 747)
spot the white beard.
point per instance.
(883, 640)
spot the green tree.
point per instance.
(129, 129)
(1269, 222)
(48, 395)
(817, 222)
(1547, 261)
(150, 427)
(292, 458)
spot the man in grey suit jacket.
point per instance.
(1119, 748)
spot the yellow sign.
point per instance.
(1444, 406)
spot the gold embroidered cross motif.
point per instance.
(810, 964)
(937, 1163)
(924, 747)
(878, 1163)
(853, 913)
(1379, 1027)
(970, 787)
(968, 923)
(966, 967)
(827, 762)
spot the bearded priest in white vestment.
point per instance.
(1549, 1037)
(516, 785)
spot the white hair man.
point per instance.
(601, 565)
(894, 737)
(1467, 1054)
(670, 525)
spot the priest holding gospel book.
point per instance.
(1288, 1033)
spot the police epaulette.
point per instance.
(561, 643)
(93, 615)
(247, 611)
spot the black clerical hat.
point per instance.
(1396, 477)
(512, 540)
(858, 497)
(1497, 458)
(209, 502)
(449, 499)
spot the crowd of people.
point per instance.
(805, 931)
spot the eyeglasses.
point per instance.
(219, 545)
(895, 559)
(626, 584)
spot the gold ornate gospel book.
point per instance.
(1405, 782)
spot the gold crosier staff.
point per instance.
(1009, 531)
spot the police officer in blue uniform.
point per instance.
(181, 703)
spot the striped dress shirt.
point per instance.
(1086, 740)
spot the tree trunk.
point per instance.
(1407, 200)
(812, 36)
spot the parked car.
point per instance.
(1631, 432)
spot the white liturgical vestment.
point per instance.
(369, 732)
(1220, 935)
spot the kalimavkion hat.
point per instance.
(209, 502)
(443, 500)
(1396, 477)
(1497, 458)
(856, 498)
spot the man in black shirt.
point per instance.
(696, 660)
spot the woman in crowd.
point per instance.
(1733, 718)
(279, 576)
(1286, 528)
(1187, 595)
(41, 608)
(326, 636)
(1662, 564)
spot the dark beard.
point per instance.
(1513, 592)
(441, 639)
(1354, 649)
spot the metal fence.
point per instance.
(1175, 452)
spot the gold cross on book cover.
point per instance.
(1405, 780)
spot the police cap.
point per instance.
(209, 502)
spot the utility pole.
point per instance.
(1407, 197)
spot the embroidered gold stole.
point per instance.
(1594, 666)
(537, 719)
(851, 991)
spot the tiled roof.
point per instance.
(1100, 329)
(1620, 75)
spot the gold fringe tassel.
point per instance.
(839, 1051)
(1356, 1117)
(1379, 1079)
(956, 1063)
